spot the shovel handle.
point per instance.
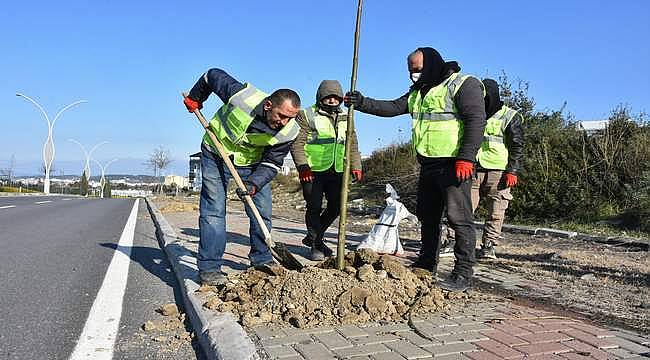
(235, 175)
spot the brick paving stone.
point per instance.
(545, 357)
(361, 350)
(333, 340)
(351, 331)
(464, 337)
(264, 332)
(374, 339)
(318, 330)
(585, 348)
(452, 357)
(438, 350)
(553, 321)
(543, 348)
(295, 357)
(408, 350)
(549, 328)
(315, 352)
(632, 337)
(509, 329)
(524, 324)
(287, 340)
(361, 358)
(387, 356)
(471, 327)
(545, 337)
(416, 339)
(482, 355)
(593, 330)
(389, 328)
(590, 339)
(504, 338)
(630, 345)
(499, 349)
(440, 321)
(432, 331)
(622, 353)
(279, 352)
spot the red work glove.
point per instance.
(305, 174)
(358, 175)
(464, 170)
(511, 179)
(191, 104)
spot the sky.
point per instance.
(131, 59)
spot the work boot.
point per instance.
(307, 241)
(486, 252)
(213, 278)
(270, 267)
(426, 264)
(319, 252)
(456, 282)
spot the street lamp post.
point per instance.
(102, 180)
(48, 147)
(88, 155)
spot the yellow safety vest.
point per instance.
(231, 121)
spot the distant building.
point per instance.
(593, 126)
(195, 171)
(180, 181)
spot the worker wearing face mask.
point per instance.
(448, 115)
(318, 153)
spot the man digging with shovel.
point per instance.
(256, 130)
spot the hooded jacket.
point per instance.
(325, 89)
(514, 132)
(468, 100)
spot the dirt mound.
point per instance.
(371, 288)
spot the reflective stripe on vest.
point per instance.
(437, 130)
(325, 145)
(493, 153)
(231, 121)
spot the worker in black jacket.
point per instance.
(448, 114)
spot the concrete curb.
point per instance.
(219, 334)
(612, 240)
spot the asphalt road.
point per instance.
(55, 252)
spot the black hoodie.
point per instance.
(468, 101)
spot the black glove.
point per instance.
(352, 98)
(250, 190)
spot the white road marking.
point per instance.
(7, 206)
(43, 202)
(66, 199)
(98, 336)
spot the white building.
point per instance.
(177, 180)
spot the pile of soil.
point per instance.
(371, 288)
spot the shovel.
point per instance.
(279, 250)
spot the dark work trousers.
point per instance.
(437, 187)
(326, 183)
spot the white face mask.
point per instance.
(415, 77)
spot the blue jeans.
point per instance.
(212, 214)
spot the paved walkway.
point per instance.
(489, 331)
